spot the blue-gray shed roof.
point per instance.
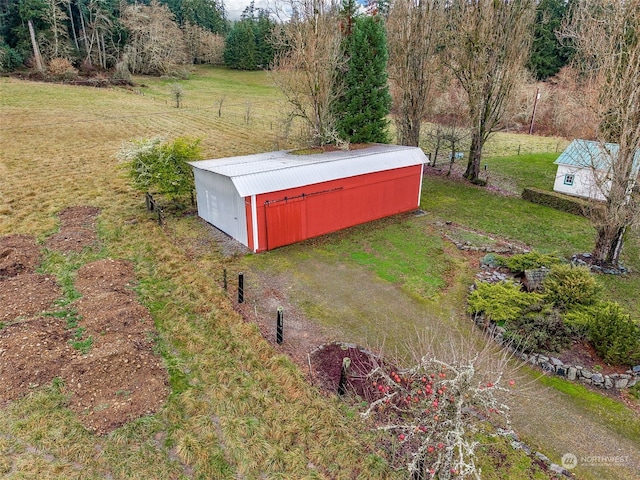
(281, 170)
(591, 154)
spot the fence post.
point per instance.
(148, 198)
(280, 326)
(240, 287)
(342, 386)
(224, 279)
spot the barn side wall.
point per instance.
(220, 204)
(289, 216)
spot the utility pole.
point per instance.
(533, 115)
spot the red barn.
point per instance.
(273, 199)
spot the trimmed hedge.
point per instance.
(565, 203)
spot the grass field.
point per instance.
(238, 408)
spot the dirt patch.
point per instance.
(73, 239)
(101, 346)
(103, 276)
(77, 230)
(584, 355)
(326, 364)
(32, 353)
(18, 254)
(27, 295)
(79, 217)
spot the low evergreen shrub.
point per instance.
(568, 286)
(526, 261)
(541, 330)
(501, 302)
(615, 335)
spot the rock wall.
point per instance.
(555, 366)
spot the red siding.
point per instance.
(293, 215)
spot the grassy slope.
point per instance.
(238, 407)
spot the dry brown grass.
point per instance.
(239, 409)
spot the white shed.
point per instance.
(583, 169)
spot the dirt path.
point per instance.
(546, 419)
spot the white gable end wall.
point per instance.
(584, 184)
(220, 205)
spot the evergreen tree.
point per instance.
(362, 108)
(248, 44)
(209, 14)
(548, 55)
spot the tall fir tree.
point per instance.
(363, 104)
(248, 44)
(548, 54)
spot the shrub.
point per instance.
(540, 329)
(10, 59)
(526, 261)
(161, 168)
(567, 286)
(501, 302)
(579, 318)
(62, 69)
(564, 203)
(614, 335)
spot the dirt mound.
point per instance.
(121, 379)
(32, 353)
(106, 275)
(101, 346)
(73, 239)
(77, 230)
(113, 313)
(326, 364)
(26, 295)
(18, 254)
(80, 217)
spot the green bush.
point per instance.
(526, 261)
(539, 329)
(568, 286)
(10, 59)
(153, 166)
(501, 302)
(614, 335)
(579, 318)
(564, 203)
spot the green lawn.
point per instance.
(239, 408)
(541, 227)
(531, 170)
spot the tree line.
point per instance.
(343, 68)
(101, 32)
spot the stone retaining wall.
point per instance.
(555, 366)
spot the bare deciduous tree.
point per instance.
(607, 36)
(414, 36)
(308, 65)
(202, 45)
(156, 45)
(488, 42)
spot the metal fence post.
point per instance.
(280, 326)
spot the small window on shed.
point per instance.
(568, 179)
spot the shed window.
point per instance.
(568, 179)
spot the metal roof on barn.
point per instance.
(281, 170)
(591, 154)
